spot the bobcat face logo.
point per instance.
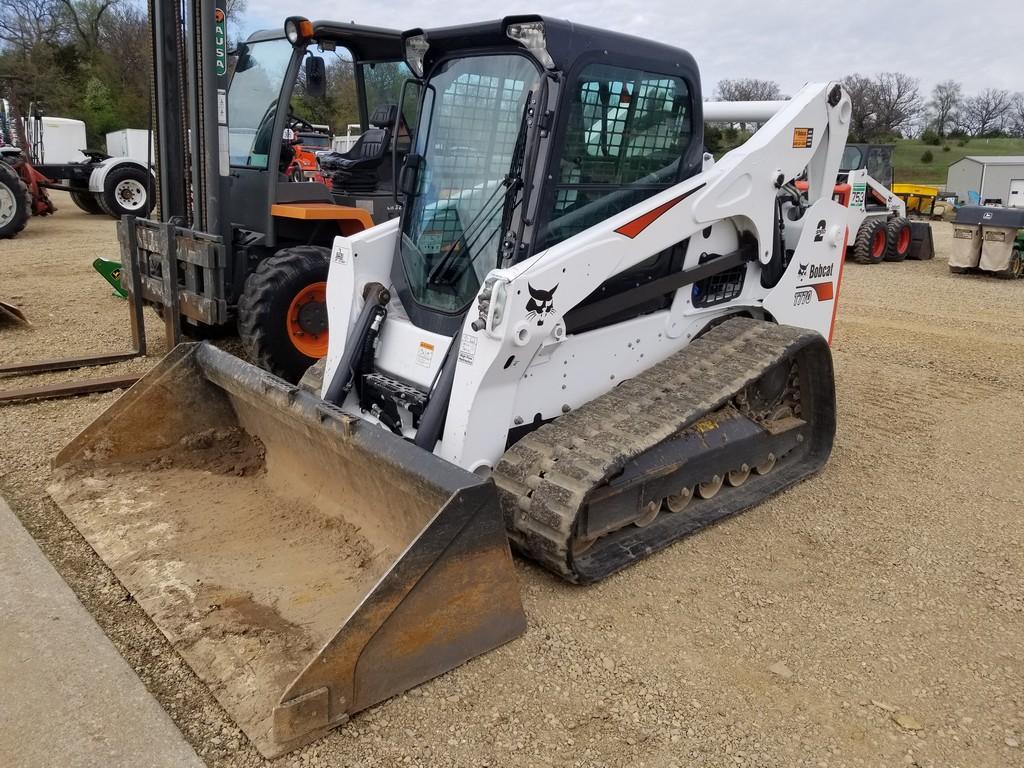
(801, 270)
(541, 303)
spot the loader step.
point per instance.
(594, 491)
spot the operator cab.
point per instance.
(530, 131)
(328, 74)
(876, 159)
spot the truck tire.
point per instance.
(15, 202)
(871, 242)
(87, 202)
(898, 238)
(282, 314)
(127, 191)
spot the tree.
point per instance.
(862, 118)
(86, 18)
(887, 104)
(897, 103)
(944, 106)
(987, 111)
(1017, 115)
(748, 89)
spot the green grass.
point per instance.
(909, 169)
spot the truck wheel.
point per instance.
(15, 202)
(1015, 269)
(898, 237)
(127, 191)
(871, 242)
(87, 202)
(282, 314)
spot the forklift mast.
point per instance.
(190, 76)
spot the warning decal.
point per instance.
(803, 138)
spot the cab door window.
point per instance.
(626, 133)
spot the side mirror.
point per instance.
(316, 77)
(409, 181)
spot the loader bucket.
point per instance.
(306, 565)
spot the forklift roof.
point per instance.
(365, 43)
(567, 43)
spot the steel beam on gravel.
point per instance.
(67, 389)
(66, 363)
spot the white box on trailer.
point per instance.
(130, 142)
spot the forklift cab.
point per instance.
(323, 71)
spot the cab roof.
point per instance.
(365, 43)
(567, 43)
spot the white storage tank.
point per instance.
(62, 140)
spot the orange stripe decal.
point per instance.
(639, 224)
(839, 282)
(824, 291)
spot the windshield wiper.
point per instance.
(513, 182)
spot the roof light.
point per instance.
(416, 48)
(532, 36)
(298, 30)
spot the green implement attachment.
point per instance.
(111, 272)
(304, 564)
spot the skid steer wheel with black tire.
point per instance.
(87, 202)
(127, 191)
(15, 202)
(282, 315)
(898, 238)
(871, 242)
(1015, 269)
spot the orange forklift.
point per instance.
(241, 240)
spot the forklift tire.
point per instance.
(87, 202)
(871, 242)
(15, 202)
(282, 314)
(898, 238)
(127, 191)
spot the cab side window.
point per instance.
(626, 134)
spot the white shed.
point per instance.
(994, 178)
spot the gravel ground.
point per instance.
(873, 616)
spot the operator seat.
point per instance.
(356, 170)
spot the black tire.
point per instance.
(16, 202)
(117, 186)
(1015, 270)
(263, 322)
(866, 249)
(87, 202)
(898, 238)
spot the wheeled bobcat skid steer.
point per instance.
(582, 335)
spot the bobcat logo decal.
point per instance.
(541, 303)
(801, 270)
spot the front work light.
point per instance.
(415, 51)
(298, 30)
(531, 35)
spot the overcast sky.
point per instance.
(978, 43)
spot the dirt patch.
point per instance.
(226, 451)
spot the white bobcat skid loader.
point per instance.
(582, 335)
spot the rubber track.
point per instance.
(544, 479)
